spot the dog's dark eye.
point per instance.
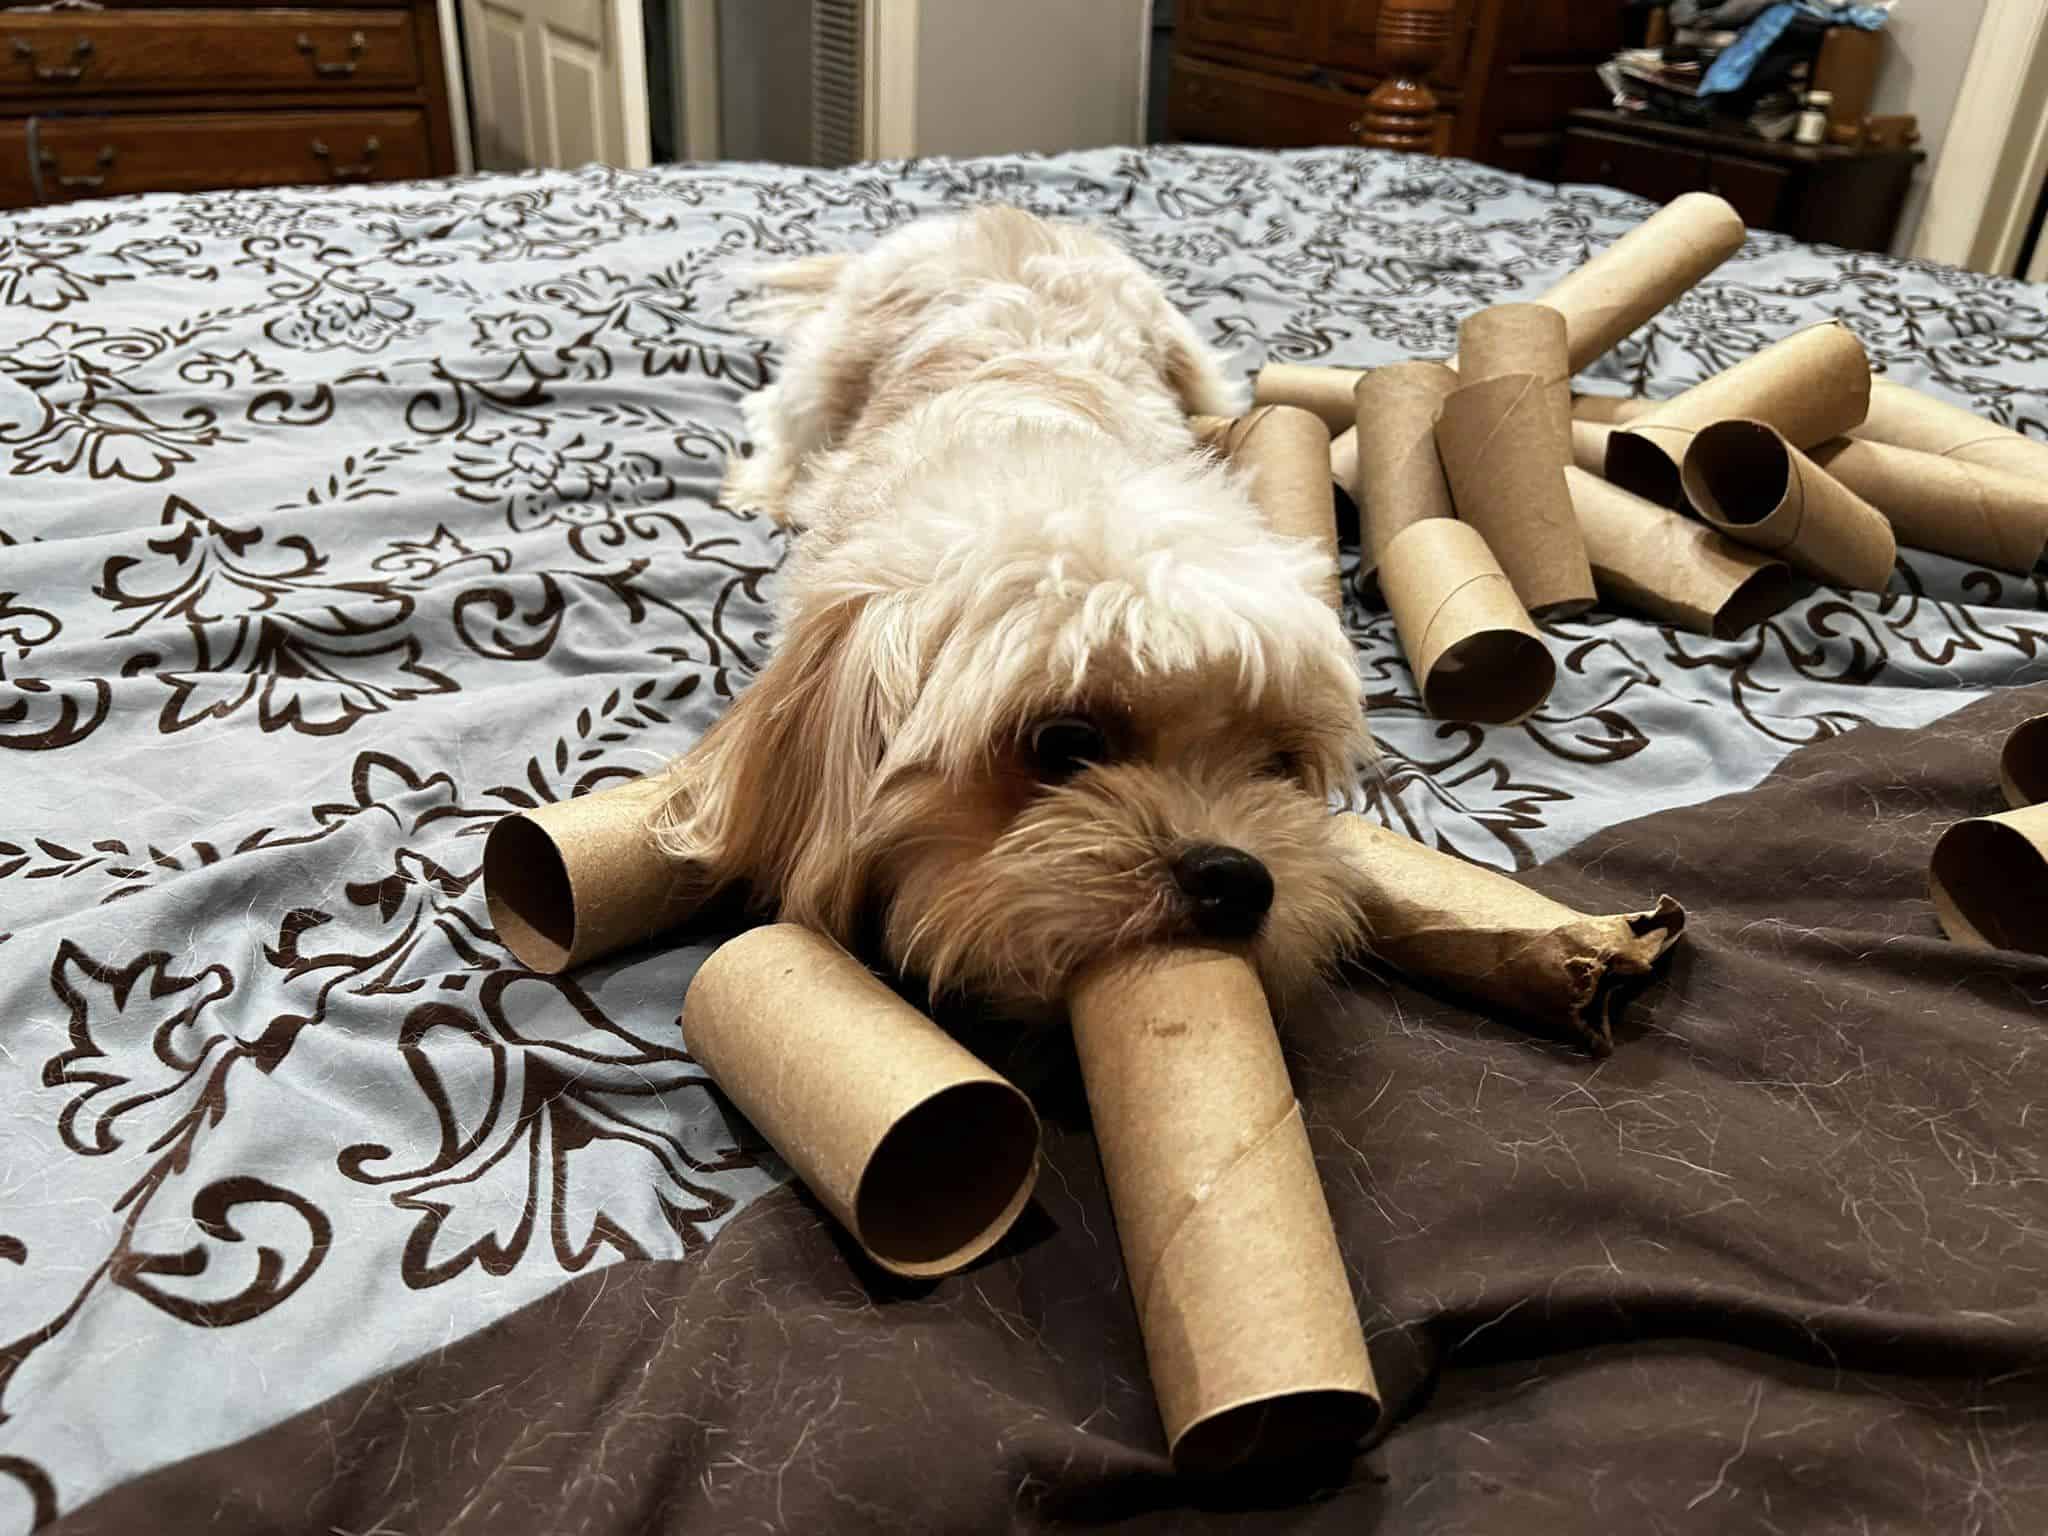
(1062, 748)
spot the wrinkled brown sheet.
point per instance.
(1779, 1264)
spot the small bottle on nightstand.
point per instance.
(1813, 122)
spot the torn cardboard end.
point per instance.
(1813, 385)
(1250, 1328)
(1468, 639)
(923, 1154)
(1643, 273)
(1473, 932)
(2023, 764)
(1951, 507)
(1989, 881)
(568, 882)
(1400, 478)
(1906, 418)
(1504, 453)
(1322, 390)
(1521, 338)
(1649, 560)
(1286, 453)
(1745, 479)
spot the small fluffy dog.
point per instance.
(1046, 687)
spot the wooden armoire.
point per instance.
(1292, 73)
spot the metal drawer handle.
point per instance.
(54, 74)
(333, 69)
(87, 182)
(344, 170)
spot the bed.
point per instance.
(335, 525)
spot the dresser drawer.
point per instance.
(1757, 191)
(1659, 172)
(76, 157)
(1213, 104)
(49, 56)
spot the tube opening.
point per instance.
(1495, 677)
(1637, 464)
(1768, 591)
(948, 1180)
(1293, 1427)
(528, 894)
(1991, 887)
(1737, 472)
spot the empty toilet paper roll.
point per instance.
(1907, 418)
(1250, 1329)
(1344, 470)
(1479, 934)
(1589, 445)
(1504, 451)
(1469, 642)
(1520, 338)
(1643, 273)
(1325, 391)
(921, 1152)
(1951, 506)
(1745, 479)
(1286, 451)
(1650, 560)
(1989, 881)
(1813, 385)
(2023, 765)
(1610, 410)
(568, 882)
(1400, 478)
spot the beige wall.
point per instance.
(996, 76)
(1923, 74)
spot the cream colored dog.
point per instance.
(1046, 687)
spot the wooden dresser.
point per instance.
(1294, 73)
(148, 97)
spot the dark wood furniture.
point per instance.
(1824, 193)
(154, 97)
(1489, 79)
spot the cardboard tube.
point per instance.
(568, 882)
(1671, 568)
(1610, 410)
(1589, 445)
(1471, 931)
(1520, 338)
(920, 1151)
(1469, 641)
(1643, 273)
(1250, 1328)
(1400, 478)
(2023, 765)
(1344, 468)
(1950, 506)
(1906, 418)
(1750, 483)
(1325, 391)
(1813, 385)
(1286, 451)
(1989, 881)
(1504, 452)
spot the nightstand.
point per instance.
(1823, 192)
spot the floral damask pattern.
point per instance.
(338, 524)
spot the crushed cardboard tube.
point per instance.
(1906, 418)
(1286, 451)
(1479, 934)
(1311, 386)
(2023, 764)
(1251, 1331)
(1950, 506)
(1400, 478)
(1650, 560)
(920, 1151)
(1475, 654)
(1745, 479)
(1643, 273)
(1504, 451)
(1811, 386)
(1989, 881)
(568, 882)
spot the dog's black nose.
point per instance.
(1229, 889)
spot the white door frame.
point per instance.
(1994, 157)
(636, 133)
(458, 84)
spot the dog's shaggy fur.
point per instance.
(981, 430)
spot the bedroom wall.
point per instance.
(1055, 74)
(1923, 74)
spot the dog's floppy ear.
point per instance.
(771, 795)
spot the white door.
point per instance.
(556, 82)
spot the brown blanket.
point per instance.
(1777, 1265)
